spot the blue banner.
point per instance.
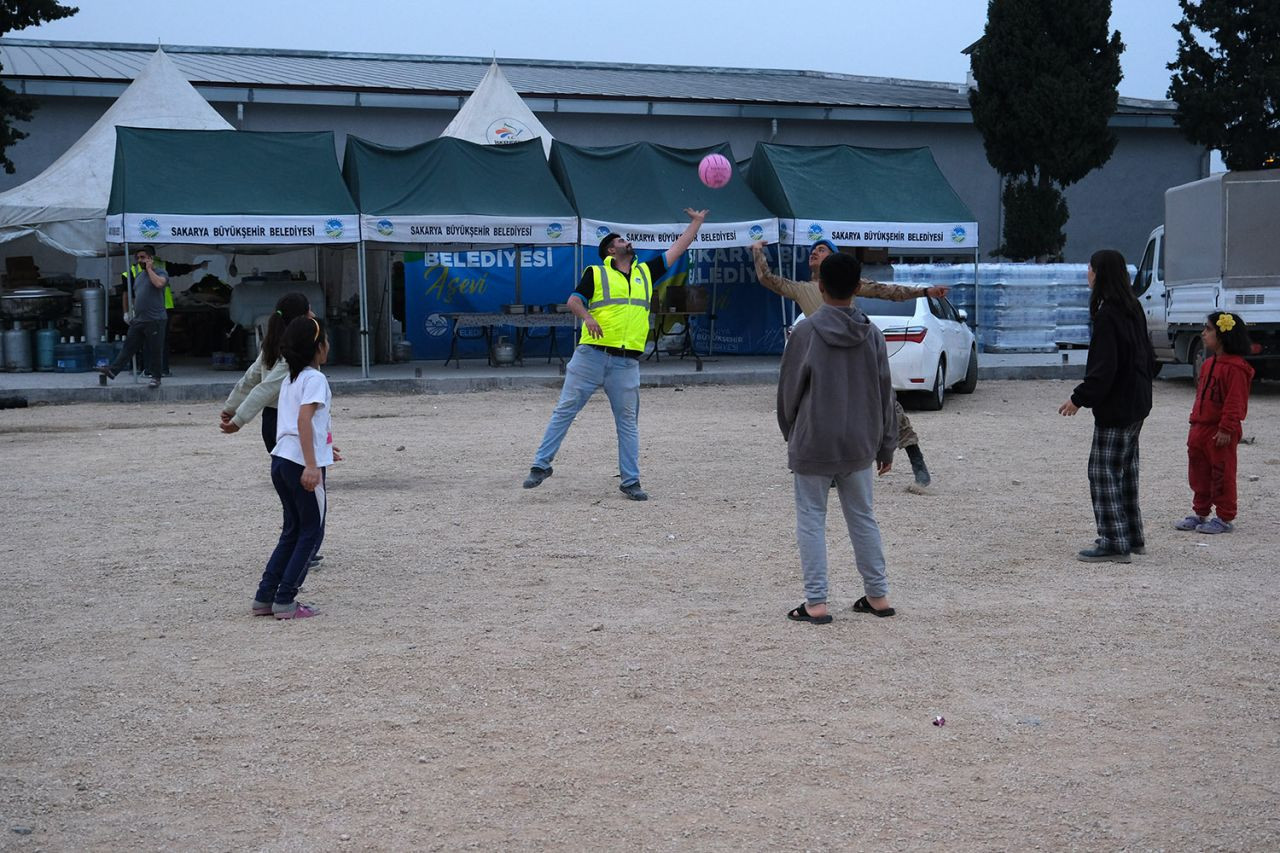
(480, 281)
(748, 319)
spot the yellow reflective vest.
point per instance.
(136, 270)
(621, 306)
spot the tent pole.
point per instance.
(364, 311)
(715, 284)
(519, 300)
(387, 301)
(128, 301)
(977, 310)
(782, 300)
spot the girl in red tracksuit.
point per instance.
(1222, 402)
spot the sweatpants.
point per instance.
(1211, 470)
(855, 490)
(303, 527)
(1113, 486)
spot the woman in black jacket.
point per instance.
(1117, 386)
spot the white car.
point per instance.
(930, 347)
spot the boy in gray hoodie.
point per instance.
(835, 408)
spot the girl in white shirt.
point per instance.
(303, 450)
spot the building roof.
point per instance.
(224, 73)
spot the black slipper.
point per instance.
(800, 614)
(864, 606)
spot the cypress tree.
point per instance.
(1046, 78)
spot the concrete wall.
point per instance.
(1114, 207)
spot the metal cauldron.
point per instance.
(34, 303)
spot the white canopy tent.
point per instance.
(496, 115)
(65, 206)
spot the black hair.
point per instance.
(604, 244)
(149, 249)
(289, 306)
(303, 338)
(839, 275)
(1236, 341)
(1111, 284)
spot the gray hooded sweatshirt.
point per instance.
(835, 397)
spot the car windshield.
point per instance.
(885, 308)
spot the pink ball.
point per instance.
(715, 170)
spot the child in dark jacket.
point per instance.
(1222, 403)
(1117, 386)
(836, 412)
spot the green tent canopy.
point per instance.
(882, 197)
(228, 187)
(640, 190)
(450, 190)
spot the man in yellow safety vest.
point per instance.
(612, 300)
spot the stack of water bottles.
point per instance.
(1023, 307)
(1018, 307)
(1071, 283)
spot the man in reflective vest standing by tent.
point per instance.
(169, 271)
(613, 301)
(149, 318)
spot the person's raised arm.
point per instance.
(685, 240)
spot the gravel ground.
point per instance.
(563, 668)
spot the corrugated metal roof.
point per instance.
(455, 75)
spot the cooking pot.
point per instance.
(34, 303)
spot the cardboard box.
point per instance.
(697, 300)
(674, 297)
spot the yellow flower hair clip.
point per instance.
(1226, 322)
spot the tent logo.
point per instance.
(149, 228)
(756, 232)
(784, 230)
(958, 234)
(436, 325)
(815, 232)
(554, 230)
(385, 228)
(601, 232)
(505, 131)
(333, 228)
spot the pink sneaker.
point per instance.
(261, 609)
(300, 611)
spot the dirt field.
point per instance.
(563, 668)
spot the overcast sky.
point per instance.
(911, 39)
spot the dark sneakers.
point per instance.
(633, 491)
(536, 476)
(1098, 554)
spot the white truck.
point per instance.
(1218, 250)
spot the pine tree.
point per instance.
(17, 15)
(1228, 95)
(1046, 78)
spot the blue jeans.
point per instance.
(590, 368)
(302, 530)
(811, 531)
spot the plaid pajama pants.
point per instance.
(1113, 486)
